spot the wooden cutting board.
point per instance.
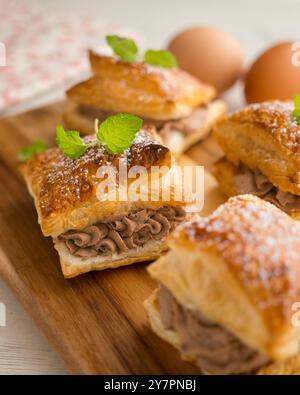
(96, 322)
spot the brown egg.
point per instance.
(275, 74)
(209, 54)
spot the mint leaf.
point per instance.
(35, 148)
(125, 48)
(118, 132)
(70, 143)
(296, 112)
(160, 58)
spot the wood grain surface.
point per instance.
(96, 322)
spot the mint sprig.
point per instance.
(296, 112)
(70, 142)
(125, 48)
(36, 147)
(116, 133)
(160, 58)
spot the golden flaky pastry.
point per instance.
(232, 277)
(150, 92)
(179, 105)
(91, 232)
(261, 144)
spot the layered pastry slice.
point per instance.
(92, 231)
(180, 106)
(226, 289)
(261, 144)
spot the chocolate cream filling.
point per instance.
(120, 234)
(248, 181)
(215, 349)
(187, 125)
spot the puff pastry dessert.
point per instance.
(262, 154)
(179, 105)
(226, 289)
(92, 234)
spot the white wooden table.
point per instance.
(255, 23)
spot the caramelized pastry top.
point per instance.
(260, 246)
(276, 118)
(150, 92)
(60, 183)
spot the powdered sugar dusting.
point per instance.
(260, 244)
(61, 183)
(276, 117)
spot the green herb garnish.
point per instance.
(160, 58)
(116, 133)
(296, 112)
(35, 148)
(125, 48)
(70, 142)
